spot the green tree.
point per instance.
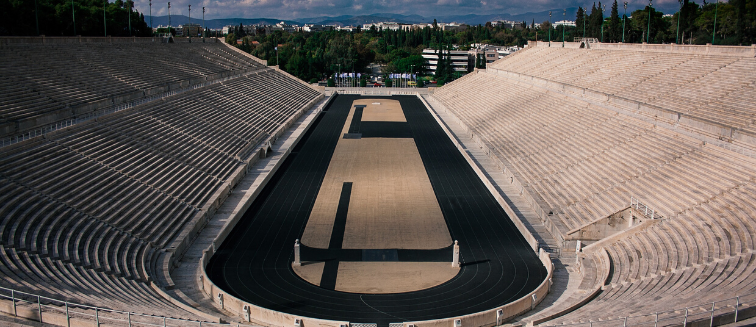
(19, 18)
(231, 39)
(615, 25)
(580, 20)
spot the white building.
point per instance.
(316, 28)
(348, 28)
(506, 23)
(387, 26)
(460, 60)
(569, 23)
(282, 26)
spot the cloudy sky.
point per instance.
(293, 9)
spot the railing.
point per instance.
(712, 314)
(646, 210)
(115, 108)
(64, 313)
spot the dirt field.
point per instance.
(392, 206)
(382, 277)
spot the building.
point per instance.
(191, 30)
(462, 61)
(453, 27)
(394, 26)
(348, 28)
(317, 28)
(282, 26)
(569, 23)
(506, 23)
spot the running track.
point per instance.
(254, 263)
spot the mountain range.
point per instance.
(345, 20)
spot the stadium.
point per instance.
(154, 183)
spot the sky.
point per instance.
(293, 9)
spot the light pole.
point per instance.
(129, 2)
(104, 19)
(648, 34)
(564, 19)
(189, 27)
(714, 32)
(150, 15)
(584, 15)
(203, 24)
(73, 14)
(549, 29)
(36, 15)
(169, 19)
(602, 23)
(623, 23)
(679, 13)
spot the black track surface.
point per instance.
(254, 263)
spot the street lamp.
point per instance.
(679, 13)
(564, 19)
(129, 2)
(189, 27)
(203, 24)
(73, 14)
(150, 15)
(104, 19)
(602, 22)
(714, 32)
(36, 15)
(549, 29)
(169, 19)
(623, 23)
(584, 16)
(648, 34)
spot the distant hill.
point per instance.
(213, 23)
(344, 20)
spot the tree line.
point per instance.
(735, 23)
(313, 56)
(56, 18)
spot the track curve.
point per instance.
(253, 263)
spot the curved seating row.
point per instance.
(85, 211)
(714, 87)
(585, 161)
(33, 85)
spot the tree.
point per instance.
(231, 39)
(19, 18)
(580, 20)
(615, 25)
(241, 32)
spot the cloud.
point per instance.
(293, 9)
